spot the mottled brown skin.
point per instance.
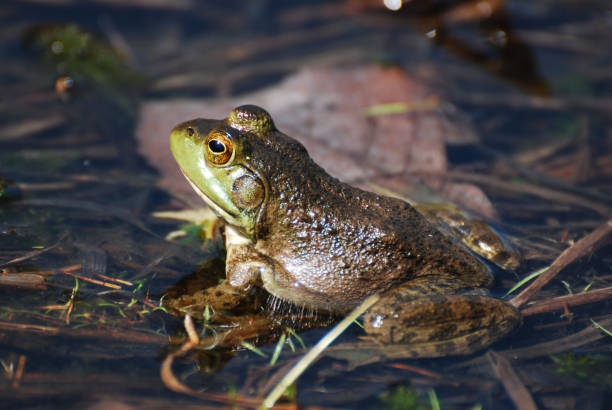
(477, 235)
(312, 240)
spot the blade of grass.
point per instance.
(297, 337)
(278, 349)
(433, 399)
(600, 327)
(427, 104)
(253, 349)
(314, 352)
(526, 279)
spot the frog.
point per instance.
(318, 243)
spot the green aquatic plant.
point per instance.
(402, 398)
(43, 160)
(81, 58)
(8, 189)
(584, 369)
(526, 279)
(194, 235)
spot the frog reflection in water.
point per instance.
(314, 241)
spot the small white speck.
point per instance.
(378, 321)
(393, 5)
(485, 246)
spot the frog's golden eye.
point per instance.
(219, 148)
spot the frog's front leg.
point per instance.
(440, 324)
(243, 268)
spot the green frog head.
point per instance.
(216, 158)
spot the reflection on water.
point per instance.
(84, 265)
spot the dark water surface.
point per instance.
(80, 323)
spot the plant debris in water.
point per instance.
(81, 58)
(84, 265)
(8, 189)
(584, 368)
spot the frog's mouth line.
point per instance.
(215, 207)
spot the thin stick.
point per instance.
(167, 376)
(173, 383)
(19, 373)
(569, 300)
(515, 388)
(531, 189)
(103, 333)
(315, 351)
(94, 281)
(577, 250)
(34, 253)
(108, 278)
(415, 369)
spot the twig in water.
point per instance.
(19, 372)
(94, 281)
(577, 250)
(568, 300)
(512, 383)
(36, 252)
(172, 383)
(587, 335)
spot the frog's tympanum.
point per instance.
(316, 242)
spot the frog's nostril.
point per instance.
(190, 131)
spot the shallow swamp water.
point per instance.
(502, 108)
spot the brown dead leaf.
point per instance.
(324, 108)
